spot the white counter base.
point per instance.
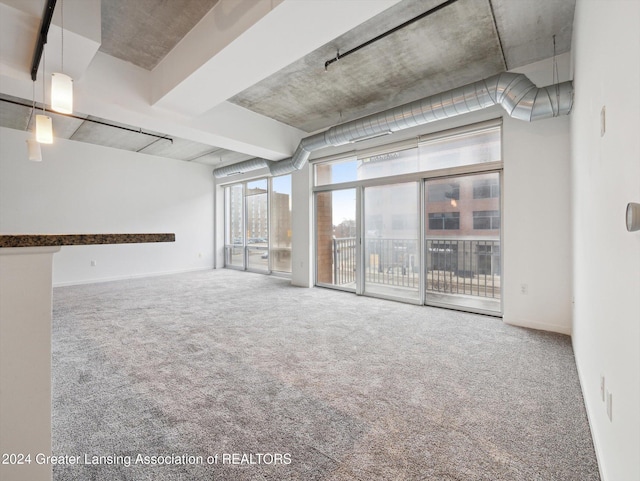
(25, 359)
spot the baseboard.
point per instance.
(591, 426)
(130, 276)
(541, 326)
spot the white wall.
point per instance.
(83, 188)
(606, 176)
(537, 224)
(537, 213)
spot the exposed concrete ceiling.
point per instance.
(454, 46)
(229, 80)
(143, 32)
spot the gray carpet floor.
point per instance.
(314, 384)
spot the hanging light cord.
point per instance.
(33, 103)
(555, 74)
(44, 66)
(62, 36)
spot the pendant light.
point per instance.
(61, 84)
(44, 125)
(33, 150)
(33, 146)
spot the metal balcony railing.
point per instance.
(344, 261)
(469, 267)
(393, 262)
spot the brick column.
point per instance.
(324, 232)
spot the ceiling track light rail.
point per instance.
(137, 131)
(388, 32)
(47, 15)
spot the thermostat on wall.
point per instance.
(633, 217)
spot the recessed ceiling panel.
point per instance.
(63, 126)
(112, 136)
(15, 113)
(14, 116)
(222, 157)
(178, 149)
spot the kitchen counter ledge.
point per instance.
(45, 240)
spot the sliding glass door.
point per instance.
(336, 237)
(462, 242)
(417, 221)
(391, 241)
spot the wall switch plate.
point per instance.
(602, 387)
(93, 263)
(603, 121)
(610, 406)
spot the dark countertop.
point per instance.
(44, 240)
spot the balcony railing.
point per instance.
(469, 267)
(344, 261)
(393, 262)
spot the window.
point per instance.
(486, 189)
(366, 166)
(280, 222)
(234, 226)
(488, 253)
(442, 256)
(466, 148)
(337, 172)
(399, 221)
(258, 225)
(443, 192)
(386, 164)
(336, 251)
(486, 219)
(374, 225)
(444, 221)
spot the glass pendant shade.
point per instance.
(44, 129)
(34, 151)
(62, 93)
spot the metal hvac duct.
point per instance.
(514, 92)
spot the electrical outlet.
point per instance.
(524, 289)
(602, 387)
(610, 406)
